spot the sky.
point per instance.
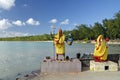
(37, 17)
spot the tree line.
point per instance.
(44, 37)
(110, 28)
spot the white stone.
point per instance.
(103, 66)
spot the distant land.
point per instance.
(44, 37)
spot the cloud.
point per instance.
(25, 5)
(18, 23)
(53, 21)
(31, 21)
(7, 4)
(12, 34)
(65, 22)
(75, 24)
(5, 24)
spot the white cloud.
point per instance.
(12, 34)
(75, 24)
(7, 4)
(65, 22)
(53, 21)
(31, 21)
(5, 24)
(25, 5)
(18, 23)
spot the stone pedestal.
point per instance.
(60, 66)
(103, 66)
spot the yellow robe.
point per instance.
(60, 45)
(101, 49)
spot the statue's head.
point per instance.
(60, 32)
(100, 37)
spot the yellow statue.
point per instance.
(101, 49)
(59, 44)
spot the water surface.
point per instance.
(19, 58)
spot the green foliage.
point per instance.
(98, 29)
(109, 28)
(44, 37)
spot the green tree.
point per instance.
(117, 25)
(98, 29)
(75, 34)
(111, 28)
(83, 31)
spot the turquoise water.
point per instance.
(19, 58)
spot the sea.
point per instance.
(18, 58)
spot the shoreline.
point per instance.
(78, 42)
(29, 76)
(110, 42)
(93, 42)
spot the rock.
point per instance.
(26, 75)
(17, 78)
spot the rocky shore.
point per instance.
(30, 76)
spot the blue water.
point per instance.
(19, 58)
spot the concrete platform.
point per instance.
(103, 66)
(60, 66)
(81, 76)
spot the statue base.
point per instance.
(60, 66)
(103, 66)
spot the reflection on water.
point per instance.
(23, 57)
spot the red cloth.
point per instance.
(97, 59)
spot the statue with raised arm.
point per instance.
(59, 44)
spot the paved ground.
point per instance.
(80, 76)
(85, 75)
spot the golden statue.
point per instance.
(59, 44)
(101, 49)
